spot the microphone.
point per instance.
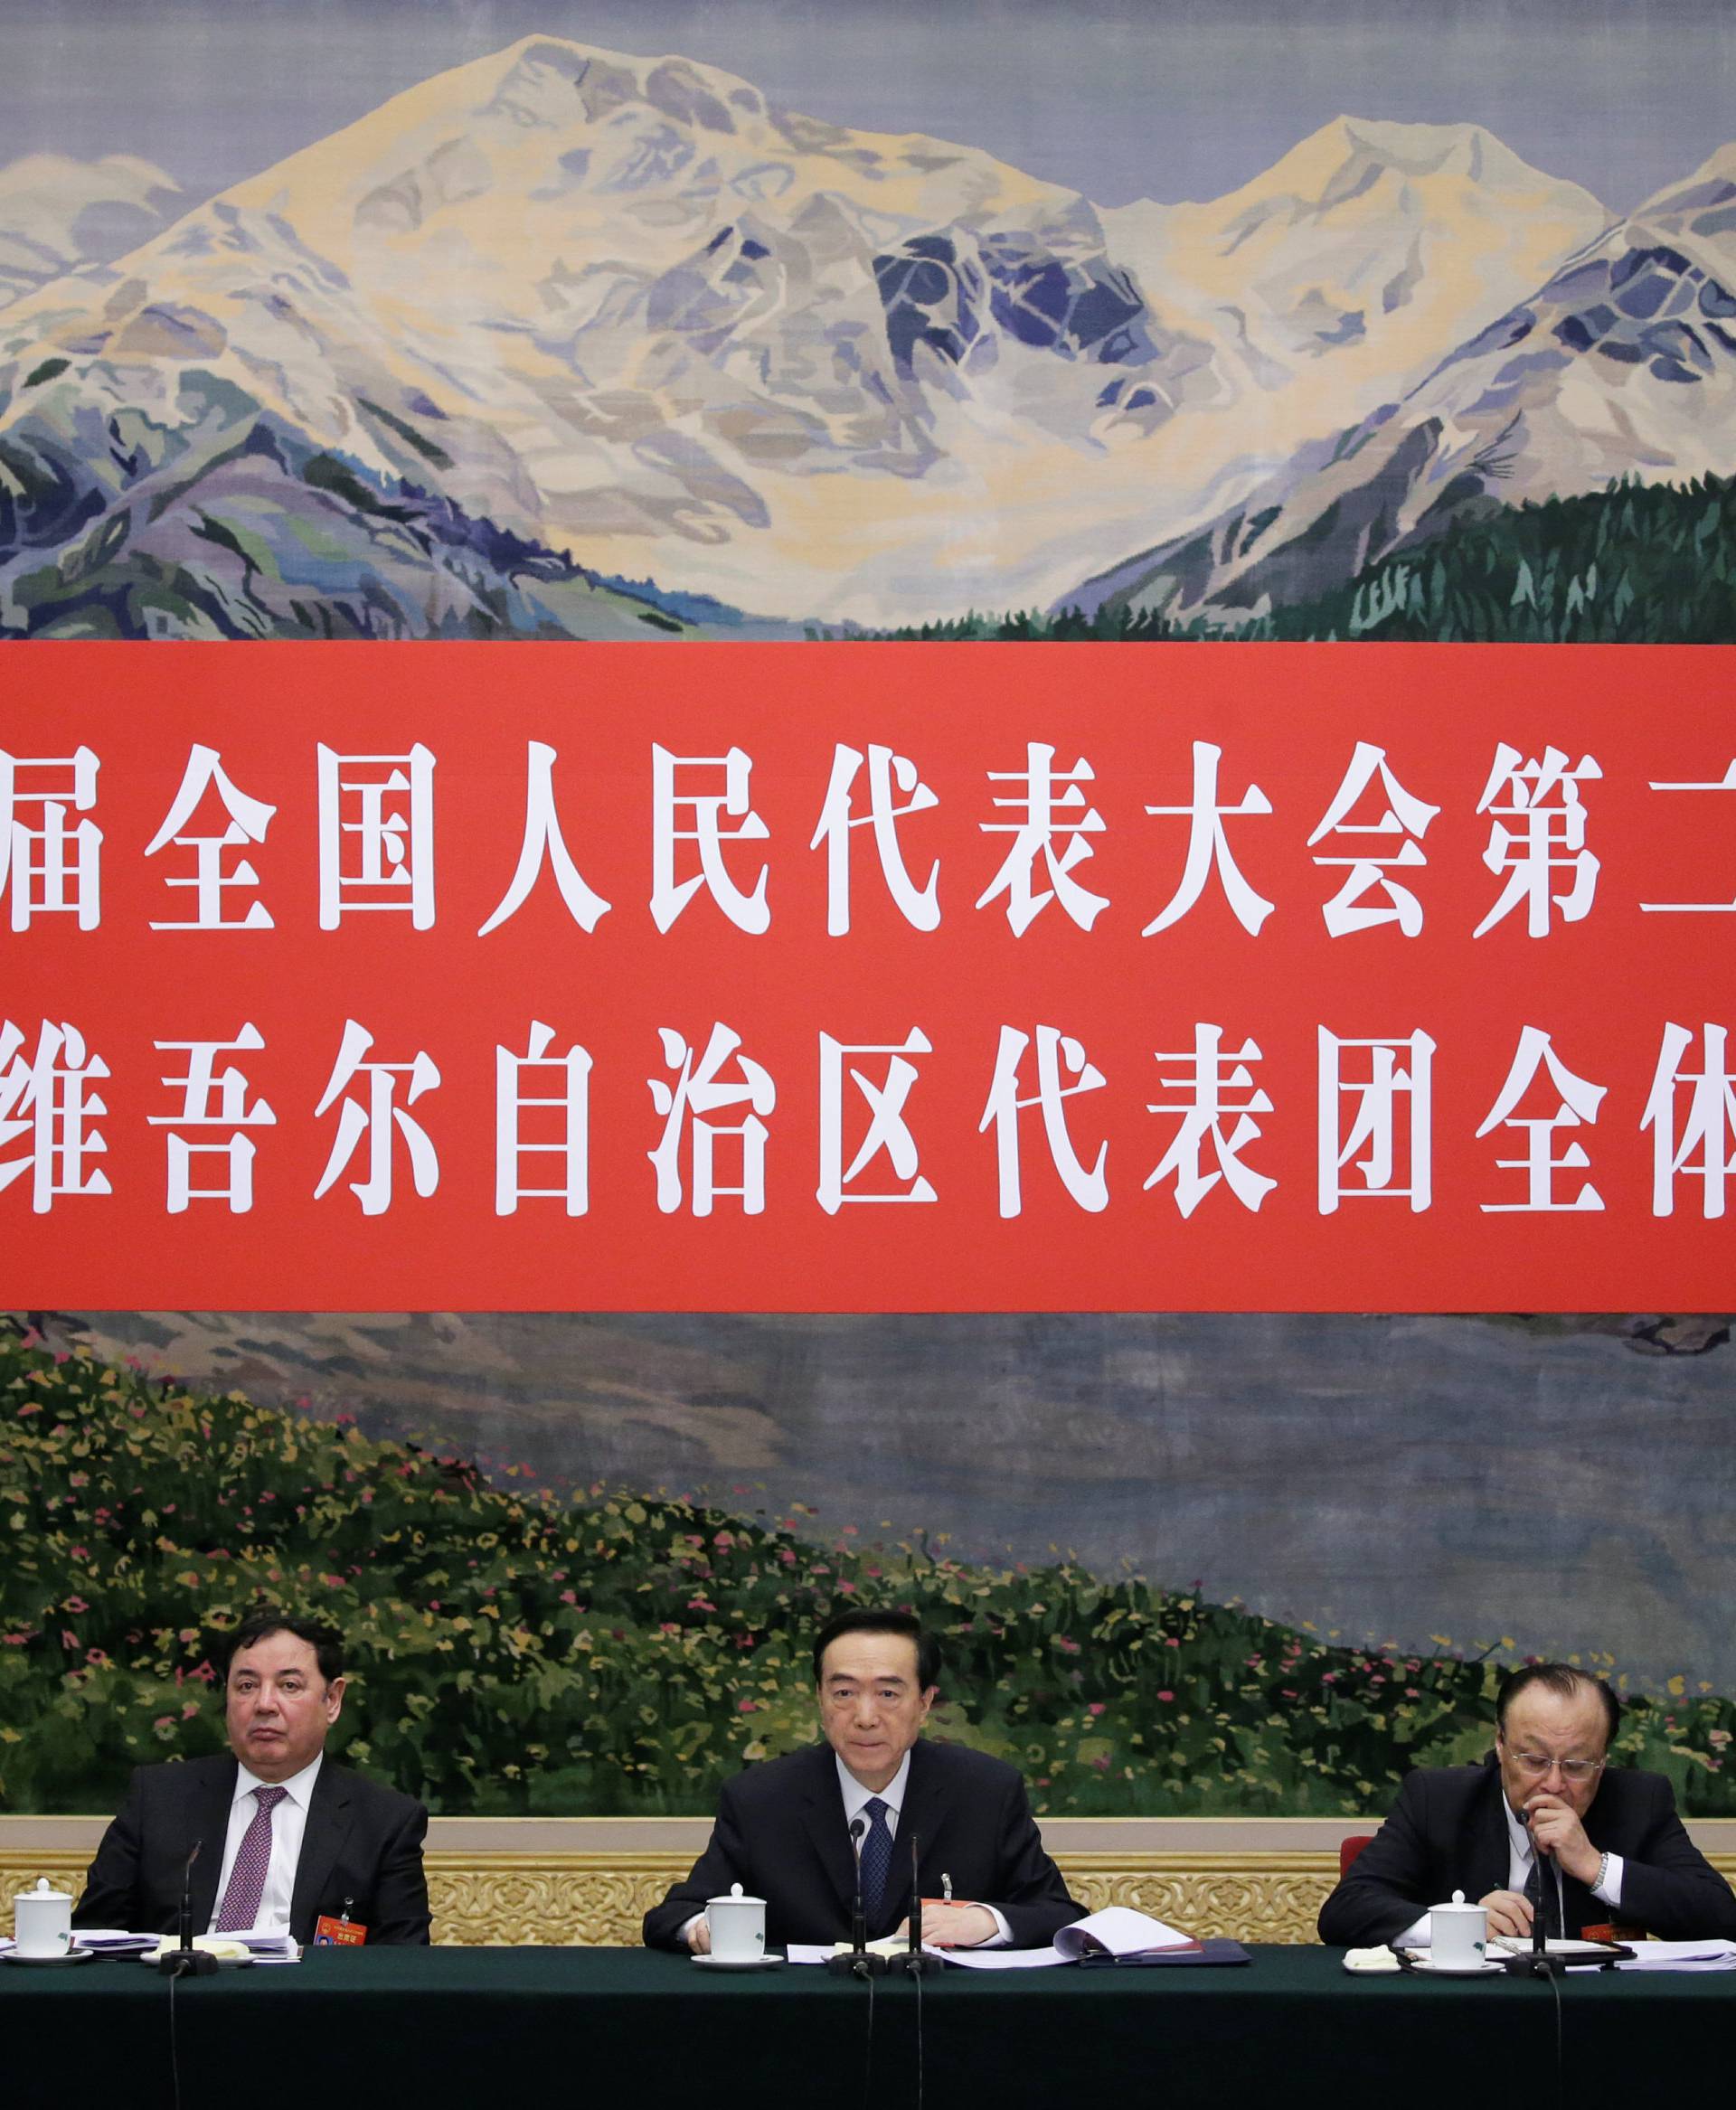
(1537, 1962)
(859, 1962)
(913, 1963)
(186, 1961)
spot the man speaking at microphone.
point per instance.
(1542, 1824)
(799, 1830)
(287, 1842)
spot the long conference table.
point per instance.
(500, 2028)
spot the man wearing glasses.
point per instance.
(1542, 1824)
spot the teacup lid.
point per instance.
(44, 1891)
(734, 1897)
(1457, 1904)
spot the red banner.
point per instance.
(952, 977)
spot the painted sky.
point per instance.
(1120, 99)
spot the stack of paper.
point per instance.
(1712, 1955)
(113, 1941)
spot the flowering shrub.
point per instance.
(512, 1652)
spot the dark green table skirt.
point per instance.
(374, 2028)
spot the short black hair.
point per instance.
(1567, 1681)
(265, 1620)
(865, 1619)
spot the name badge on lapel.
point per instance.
(339, 1933)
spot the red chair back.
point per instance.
(1348, 1849)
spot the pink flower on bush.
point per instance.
(74, 1605)
(1166, 1696)
(701, 1605)
(96, 1655)
(1101, 1764)
(1097, 1707)
(747, 1705)
(1170, 1641)
(571, 1597)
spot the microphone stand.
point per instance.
(860, 1962)
(913, 1963)
(186, 1961)
(1537, 1962)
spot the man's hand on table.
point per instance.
(1509, 1913)
(956, 1926)
(699, 1936)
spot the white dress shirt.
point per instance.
(288, 1822)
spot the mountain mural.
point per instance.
(563, 320)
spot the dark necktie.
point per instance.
(252, 1858)
(876, 1859)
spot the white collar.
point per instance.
(857, 1797)
(299, 1787)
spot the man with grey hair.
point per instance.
(1542, 1824)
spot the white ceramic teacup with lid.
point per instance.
(41, 1920)
(737, 1926)
(1459, 1933)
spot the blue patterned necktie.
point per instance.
(876, 1859)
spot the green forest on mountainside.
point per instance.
(1638, 564)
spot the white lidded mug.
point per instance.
(738, 1925)
(41, 1920)
(1459, 1933)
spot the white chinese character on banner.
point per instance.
(1547, 838)
(559, 1123)
(1706, 1125)
(887, 1129)
(44, 1098)
(1373, 1076)
(376, 1118)
(1572, 1102)
(211, 1101)
(1403, 822)
(1727, 782)
(704, 811)
(245, 820)
(50, 870)
(1056, 1052)
(889, 775)
(697, 1093)
(1208, 846)
(1212, 1080)
(376, 835)
(544, 845)
(1049, 813)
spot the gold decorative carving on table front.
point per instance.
(599, 1899)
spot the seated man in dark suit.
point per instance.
(784, 1829)
(284, 1836)
(1539, 1825)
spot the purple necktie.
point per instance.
(247, 1879)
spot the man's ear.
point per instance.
(929, 1698)
(333, 1700)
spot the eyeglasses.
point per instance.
(1574, 1769)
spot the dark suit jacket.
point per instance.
(1446, 1833)
(362, 1842)
(780, 1834)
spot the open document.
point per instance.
(1116, 1931)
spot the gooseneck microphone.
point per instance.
(186, 1961)
(860, 1962)
(1537, 1962)
(913, 1963)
